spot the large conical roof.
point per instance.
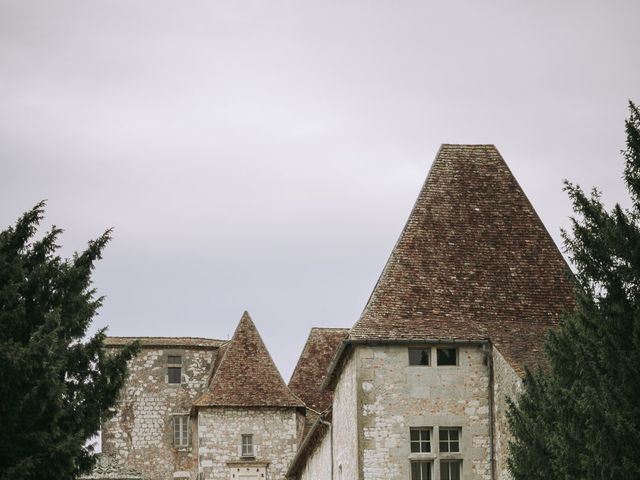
(473, 262)
(246, 375)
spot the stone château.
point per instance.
(415, 390)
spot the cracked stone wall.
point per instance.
(396, 396)
(140, 433)
(507, 383)
(275, 436)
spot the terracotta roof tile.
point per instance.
(147, 342)
(312, 366)
(246, 375)
(474, 261)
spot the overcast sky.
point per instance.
(265, 155)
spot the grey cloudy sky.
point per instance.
(264, 155)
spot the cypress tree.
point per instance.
(579, 416)
(55, 385)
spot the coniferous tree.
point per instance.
(55, 387)
(579, 418)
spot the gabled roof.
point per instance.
(473, 262)
(312, 366)
(164, 342)
(246, 375)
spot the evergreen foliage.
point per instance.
(579, 418)
(55, 387)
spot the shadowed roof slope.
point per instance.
(246, 375)
(312, 366)
(473, 262)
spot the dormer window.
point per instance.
(174, 368)
(247, 446)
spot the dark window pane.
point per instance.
(454, 446)
(415, 471)
(415, 435)
(453, 434)
(444, 446)
(415, 447)
(426, 471)
(450, 470)
(174, 374)
(420, 470)
(447, 356)
(418, 356)
(174, 359)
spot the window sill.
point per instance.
(422, 456)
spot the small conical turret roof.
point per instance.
(473, 262)
(246, 375)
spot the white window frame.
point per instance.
(180, 431)
(248, 448)
(421, 440)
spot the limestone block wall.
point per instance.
(507, 383)
(396, 396)
(140, 433)
(318, 465)
(345, 423)
(275, 435)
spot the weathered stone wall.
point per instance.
(140, 433)
(396, 396)
(318, 466)
(345, 423)
(275, 435)
(507, 383)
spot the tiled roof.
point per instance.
(312, 366)
(473, 262)
(246, 375)
(147, 342)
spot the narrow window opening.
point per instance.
(419, 356)
(181, 431)
(247, 446)
(174, 368)
(447, 356)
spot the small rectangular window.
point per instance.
(421, 470)
(418, 356)
(420, 440)
(450, 469)
(449, 440)
(247, 446)
(174, 368)
(447, 356)
(180, 430)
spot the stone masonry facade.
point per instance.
(275, 436)
(139, 436)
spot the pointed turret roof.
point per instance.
(246, 375)
(473, 262)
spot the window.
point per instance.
(450, 469)
(449, 440)
(174, 368)
(447, 356)
(420, 440)
(181, 430)
(421, 470)
(418, 356)
(247, 446)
